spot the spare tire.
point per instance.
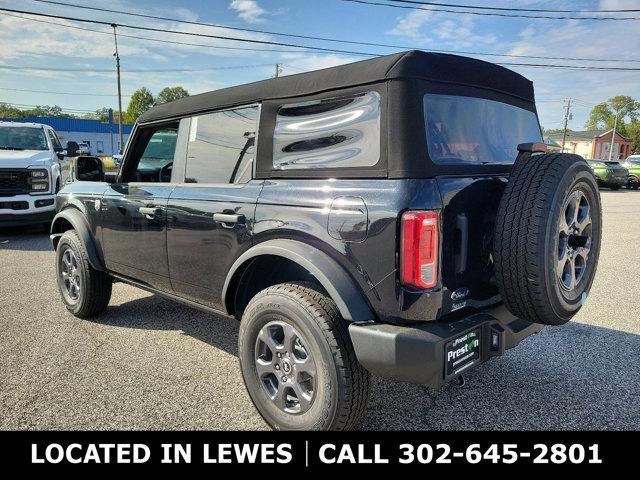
(547, 237)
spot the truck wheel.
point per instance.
(547, 237)
(298, 362)
(85, 291)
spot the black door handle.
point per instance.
(228, 218)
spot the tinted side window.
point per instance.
(54, 140)
(329, 133)
(221, 146)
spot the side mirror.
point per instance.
(72, 149)
(89, 169)
(61, 153)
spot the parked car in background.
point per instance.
(33, 167)
(609, 174)
(632, 163)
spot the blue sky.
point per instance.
(25, 43)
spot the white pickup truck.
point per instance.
(33, 167)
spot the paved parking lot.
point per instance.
(148, 363)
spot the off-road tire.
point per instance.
(526, 242)
(342, 384)
(95, 286)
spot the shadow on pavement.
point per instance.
(576, 376)
(31, 238)
(156, 313)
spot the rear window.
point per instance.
(469, 130)
(330, 133)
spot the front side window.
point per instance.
(155, 164)
(331, 133)
(476, 131)
(221, 146)
(23, 138)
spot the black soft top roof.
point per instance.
(435, 67)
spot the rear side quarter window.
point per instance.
(476, 131)
(336, 132)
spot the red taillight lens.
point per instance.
(419, 249)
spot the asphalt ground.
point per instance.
(148, 363)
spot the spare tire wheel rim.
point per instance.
(70, 273)
(574, 241)
(285, 367)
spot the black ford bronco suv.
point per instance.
(396, 216)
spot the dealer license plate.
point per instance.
(462, 353)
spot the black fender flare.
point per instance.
(79, 223)
(333, 278)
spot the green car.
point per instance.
(609, 174)
(632, 164)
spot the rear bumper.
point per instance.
(416, 354)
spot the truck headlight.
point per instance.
(38, 181)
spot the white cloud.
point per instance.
(297, 63)
(579, 39)
(248, 10)
(426, 27)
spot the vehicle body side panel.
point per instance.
(200, 250)
(300, 210)
(134, 244)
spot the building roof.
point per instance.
(550, 143)
(62, 124)
(435, 67)
(584, 135)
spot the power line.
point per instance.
(62, 93)
(219, 47)
(64, 109)
(324, 39)
(508, 9)
(489, 14)
(570, 67)
(110, 70)
(177, 32)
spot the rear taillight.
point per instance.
(419, 249)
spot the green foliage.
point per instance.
(169, 94)
(603, 116)
(550, 131)
(141, 101)
(9, 111)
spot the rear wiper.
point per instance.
(11, 148)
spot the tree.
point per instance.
(169, 94)
(8, 111)
(603, 115)
(141, 101)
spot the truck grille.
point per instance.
(13, 182)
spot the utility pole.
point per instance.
(566, 121)
(613, 134)
(115, 39)
(278, 70)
